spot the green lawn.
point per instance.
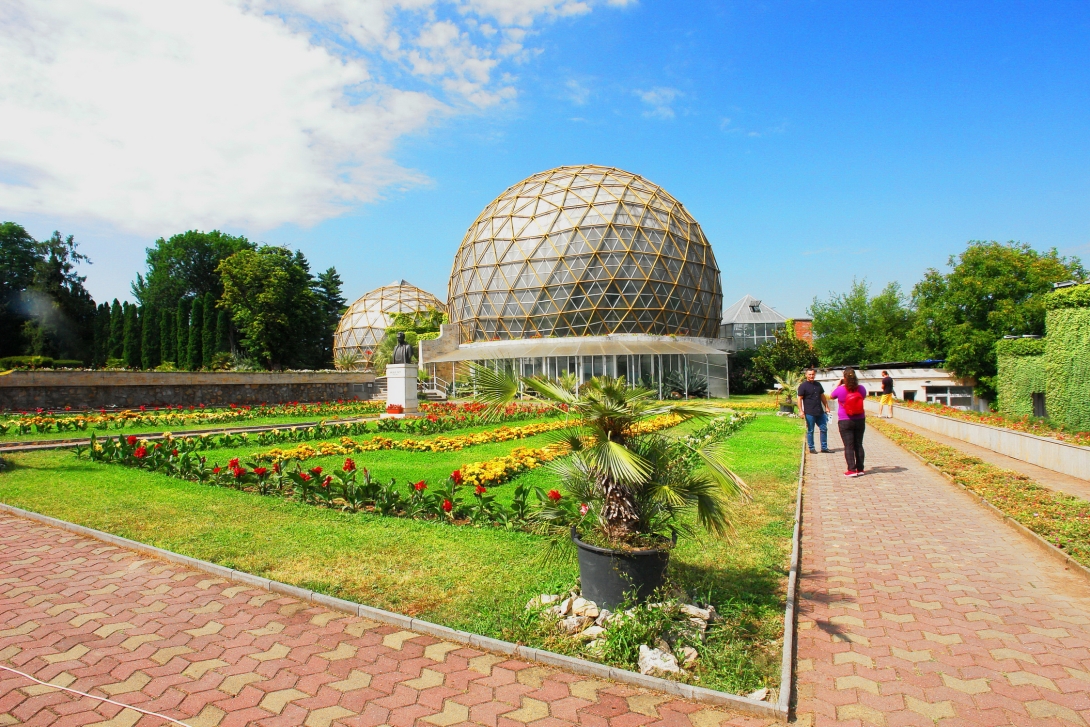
(477, 579)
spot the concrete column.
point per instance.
(401, 386)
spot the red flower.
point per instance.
(304, 477)
(276, 467)
(157, 445)
(447, 505)
(174, 452)
(233, 463)
(456, 475)
(480, 489)
(143, 408)
(260, 471)
(216, 470)
(327, 480)
(131, 439)
(349, 465)
(239, 472)
(420, 486)
(554, 495)
(584, 509)
(140, 452)
(316, 471)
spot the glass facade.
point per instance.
(669, 374)
(364, 323)
(751, 335)
(585, 250)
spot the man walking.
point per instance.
(815, 405)
(887, 395)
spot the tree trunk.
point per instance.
(619, 510)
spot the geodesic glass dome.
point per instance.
(364, 323)
(584, 250)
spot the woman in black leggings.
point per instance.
(851, 420)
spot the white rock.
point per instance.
(563, 608)
(574, 624)
(547, 598)
(604, 618)
(591, 632)
(655, 662)
(689, 655)
(696, 612)
(538, 601)
(760, 695)
(582, 607)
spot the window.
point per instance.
(959, 397)
(755, 306)
(910, 395)
(1039, 405)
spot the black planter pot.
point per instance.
(607, 575)
(787, 408)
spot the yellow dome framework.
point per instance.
(584, 250)
(364, 323)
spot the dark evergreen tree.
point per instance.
(331, 303)
(19, 254)
(181, 347)
(167, 335)
(102, 334)
(208, 329)
(223, 332)
(196, 335)
(149, 338)
(131, 344)
(117, 331)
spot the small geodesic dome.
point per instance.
(364, 323)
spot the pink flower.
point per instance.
(584, 509)
(554, 495)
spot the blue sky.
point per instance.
(814, 142)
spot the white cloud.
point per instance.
(660, 101)
(154, 117)
(578, 94)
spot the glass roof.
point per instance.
(364, 323)
(584, 250)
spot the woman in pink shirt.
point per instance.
(851, 420)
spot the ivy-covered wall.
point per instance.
(1021, 374)
(1067, 356)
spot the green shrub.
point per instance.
(26, 362)
(1020, 376)
(67, 363)
(1020, 346)
(1077, 296)
(1067, 361)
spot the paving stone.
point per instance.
(918, 607)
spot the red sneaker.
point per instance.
(851, 473)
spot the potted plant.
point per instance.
(789, 382)
(630, 490)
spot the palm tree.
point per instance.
(635, 480)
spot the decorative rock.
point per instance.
(701, 613)
(591, 632)
(689, 655)
(655, 662)
(563, 608)
(574, 624)
(543, 600)
(760, 695)
(605, 616)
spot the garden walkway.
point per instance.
(79, 613)
(918, 607)
(1074, 486)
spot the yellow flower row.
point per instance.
(434, 444)
(498, 470)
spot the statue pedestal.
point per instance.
(401, 387)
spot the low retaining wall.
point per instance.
(1070, 459)
(29, 390)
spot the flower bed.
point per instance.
(1026, 424)
(1060, 519)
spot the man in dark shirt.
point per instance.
(815, 405)
(887, 394)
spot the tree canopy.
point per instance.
(185, 266)
(855, 328)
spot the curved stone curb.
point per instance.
(1046, 547)
(569, 663)
(790, 616)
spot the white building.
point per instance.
(912, 381)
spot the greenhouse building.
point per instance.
(590, 271)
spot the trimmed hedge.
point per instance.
(1067, 363)
(1020, 376)
(37, 362)
(1077, 296)
(1020, 347)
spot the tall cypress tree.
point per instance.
(223, 332)
(181, 348)
(208, 342)
(117, 331)
(167, 335)
(149, 337)
(196, 335)
(102, 334)
(130, 347)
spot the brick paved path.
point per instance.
(919, 607)
(82, 614)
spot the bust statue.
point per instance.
(403, 352)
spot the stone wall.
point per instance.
(29, 390)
